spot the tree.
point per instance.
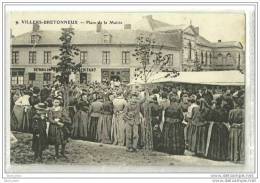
(66, 66)
(149, 55)
(67, 51)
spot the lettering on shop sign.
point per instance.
(84, 69)
(43, 69)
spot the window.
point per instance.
(107, 38)
(125, 57)
(17, 77)
(33, 39)
(238, 64)
(220, 59)
(15, 57)
(202, 60)
(83, 57)
(170, 61)
(206, 58)
(31, 78)
(189, 50)
(47, 57)
(32, 57)
(46, 76)
(106, 57)
(229, 59)
(210, 57)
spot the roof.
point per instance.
(147, 23)
(164, 33)
(92, 37)
(206, 77)
(227, 44)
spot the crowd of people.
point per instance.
(206, 121)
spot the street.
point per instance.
(94, 154)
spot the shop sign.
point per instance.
(88, 69)
(41, 69)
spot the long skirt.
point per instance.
(217, 142)
(104, 129)
(173, 138)
(191, 137)
(141, 133)
(157, 138)
(198, 139)
(71, 111)
(236, 145)
(56, 135)
(21, 119)
(92, 129)
(118, 129)
(157, 134)
(27, 118)
(80, 125)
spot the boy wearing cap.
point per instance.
(39, 125)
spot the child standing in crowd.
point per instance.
(39, 125)
(58, 129)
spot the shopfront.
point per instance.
(122, 75)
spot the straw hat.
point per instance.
(41, 107)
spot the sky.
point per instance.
(214, 26)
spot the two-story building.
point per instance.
(108, 54)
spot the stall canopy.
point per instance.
(232, 78)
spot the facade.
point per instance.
(107, 55)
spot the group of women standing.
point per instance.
(212, 129)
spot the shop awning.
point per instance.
(221, 78)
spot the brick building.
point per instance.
(106, 54)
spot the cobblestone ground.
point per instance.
(88, 153)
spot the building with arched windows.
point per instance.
(108, 54)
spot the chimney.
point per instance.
(219, 41)
(36, 27)
(99, 27)
(127, 27)
(197, 29)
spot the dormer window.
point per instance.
(35, 38)
(107, 38)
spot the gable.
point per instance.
(189, 30)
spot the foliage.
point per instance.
(67, 51)
(147, 52)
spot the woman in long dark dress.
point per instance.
(173, 129)
(236, 146)
(200, 118)
(81, 119)
(22, 113)
(105, 121)
(156, 118)
(218, 135)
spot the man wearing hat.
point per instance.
(132, 120)
(39, 125)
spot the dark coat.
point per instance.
(39, 141)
